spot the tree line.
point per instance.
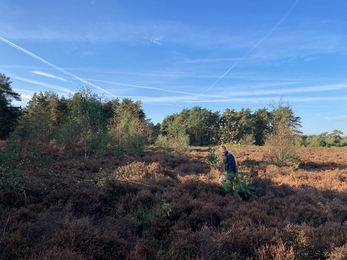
(85, 119)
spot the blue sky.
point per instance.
(179, 54)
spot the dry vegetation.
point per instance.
(166, 206)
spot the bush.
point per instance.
(162, 143)
(179, 142)
(282, 149)
(212, 159)
(130, 136)
(11, 178)
(237, 184)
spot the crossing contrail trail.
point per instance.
(255, 46)
(52, 65)
(152, 88)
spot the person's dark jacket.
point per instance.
(229, 163)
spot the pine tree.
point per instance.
(8, 113)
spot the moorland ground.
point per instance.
(171, 206)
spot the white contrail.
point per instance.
(47, 75)
(173, 101)
(255, 46)
(52, 65)
(42, 84)
(146, 87)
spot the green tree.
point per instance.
(173, 132)
(8, 113)
(316, 140)
(282, 116)
(42, 117)
(261, 121)
(201, 126)
(334, 138)
(284, 134)
(245, 126)
(234, 127)
(228, 126)
(85, 122)
(175, 125)
(129, 129)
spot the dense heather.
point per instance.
(170, 206)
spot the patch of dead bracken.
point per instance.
(3, 145)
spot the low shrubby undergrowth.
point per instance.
(171, 206)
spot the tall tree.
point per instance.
(228, 126)
(282, 116)
(8, 113)
(201, 125)
(42, 116)
(173, 132)
(175, 124)
(245, 126)
(334, 138)
(285, 132)
(128, 128)
(261, 125)
(85, 122)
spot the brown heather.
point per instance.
(170, 206)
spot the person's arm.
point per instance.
(231, 163)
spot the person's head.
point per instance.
(223, 150)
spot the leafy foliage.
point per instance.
(8, 113)
(326, 139)
(11, 177)
(235, 126)
(85, 118)
(128, 128)
(212, 158)
(178, 142)
(166, 207)
(198, 123)
(261, 127)
(238, 185)
(285, 135)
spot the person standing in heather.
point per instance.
(229, 163)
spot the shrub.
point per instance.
(237, 184)
(11, 178)
(163, 143)
(212, 159)
(178, 142)
(285, 135)
(130, 134)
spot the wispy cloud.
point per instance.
(225, 93)
(311, 37)
(312, 89)
(196, 99)
(204, 73)
(47, 75)
(211, 60)
(43, 84)
(141, 32)
(154, 39)
(301, 43)
(255, 46)
(331, 118)
(52, 65)
(145, 87)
